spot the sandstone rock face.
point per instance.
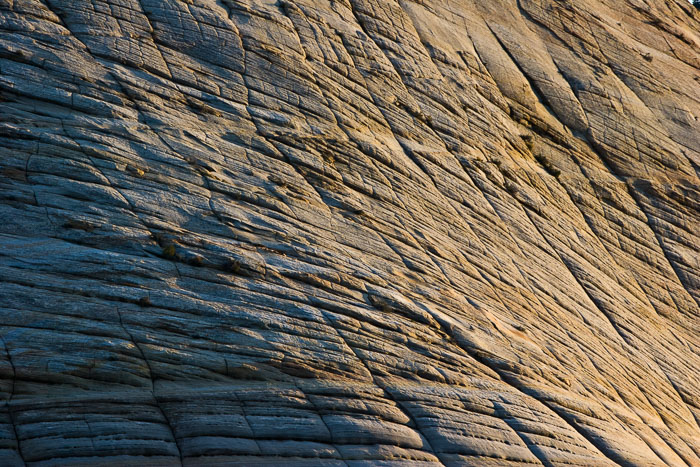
(349, 232)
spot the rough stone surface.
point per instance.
(349, 232)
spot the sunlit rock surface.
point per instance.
(349, 232)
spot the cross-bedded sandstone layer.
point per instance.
(349, 231)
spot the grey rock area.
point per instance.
(349, 232)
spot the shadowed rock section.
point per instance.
(344, 232)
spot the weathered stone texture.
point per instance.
(345, 232)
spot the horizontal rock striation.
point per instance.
(349, 232)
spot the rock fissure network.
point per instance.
(349, 232)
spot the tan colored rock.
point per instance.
(349, 232)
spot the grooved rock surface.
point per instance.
(345, 232)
